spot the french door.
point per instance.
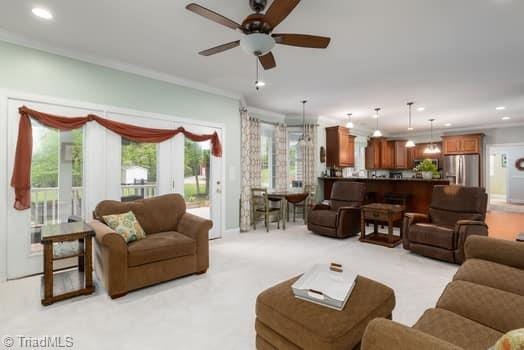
(57, 186)
(73, 171)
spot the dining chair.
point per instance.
(261, 208)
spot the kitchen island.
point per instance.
(417, 191)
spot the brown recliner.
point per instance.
(341, 218)
(455, 213)
(176, 244)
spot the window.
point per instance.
(294, 159)
(267, 155)
(139, 168)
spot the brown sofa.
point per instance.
(484, 301)
(455, 213)
(341, 218)
(176, 244)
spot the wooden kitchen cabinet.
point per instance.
(373, 154)
(340, 147)
(400, 154)
(462, 144)
(384, 154)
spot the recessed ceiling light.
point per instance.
(448, 124)
(42, 13)
(506, 118)
(421, 109)
(500, 108)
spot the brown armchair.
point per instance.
(341, 218)
(176, 244)
(455, 213)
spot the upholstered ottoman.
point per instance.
(286, 323)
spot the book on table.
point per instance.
(326, 285)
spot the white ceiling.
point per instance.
(458, 58)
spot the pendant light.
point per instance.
(410, 143)
(432, 148)
(259, 83)
(350, 124)
(377, 132)
(304, 140)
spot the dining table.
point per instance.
(288, 196)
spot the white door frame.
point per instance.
(6, 94)
(489, 149)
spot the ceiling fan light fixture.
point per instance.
(257, 44)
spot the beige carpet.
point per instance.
(216, 310)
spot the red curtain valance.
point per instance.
(21, 180)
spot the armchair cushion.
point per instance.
(327, 218)
(494, 275)
(457, 330)
(158, 247)
(494, 308)
(430, 234)
(495, 250)
(382, 334)
(449, 218)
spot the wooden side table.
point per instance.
(76, 240)
(381, 212)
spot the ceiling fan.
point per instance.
(259, 38)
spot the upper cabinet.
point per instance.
(400, 153)
(384, 154)
(340, 147)
(462, 144)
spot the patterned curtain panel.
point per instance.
(250, 166)
(281, 158)
(310, 161)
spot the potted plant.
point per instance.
(427, 168)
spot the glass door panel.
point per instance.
(139, 170)
(197, 177)
(56, 187)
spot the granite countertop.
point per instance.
(380, 179)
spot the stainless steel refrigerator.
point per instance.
(463, 170)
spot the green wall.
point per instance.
(37, 72)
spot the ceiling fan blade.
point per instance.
(279, 10)
(302, 40)
(213, 16)
(219, 48)
(267, 61)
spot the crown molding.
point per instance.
(445, 131)
(266, 115)
(334, 121)
(117, 65)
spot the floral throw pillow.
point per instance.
(125, 225)
(513, 340)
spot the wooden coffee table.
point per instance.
(381, 212)
(76, 239)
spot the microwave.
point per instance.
(418, 161)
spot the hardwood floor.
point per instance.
(505, 225)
